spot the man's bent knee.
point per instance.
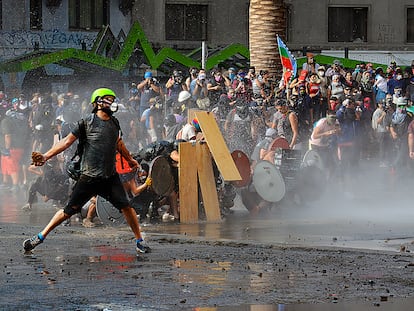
(71, 210)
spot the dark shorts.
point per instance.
(127, 177)
(86, 187)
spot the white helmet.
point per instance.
(183, 96)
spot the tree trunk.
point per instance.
(267, 18)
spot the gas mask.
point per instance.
(108, 110)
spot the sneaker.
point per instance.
(143, 248)
(31, 243)
(87, 223)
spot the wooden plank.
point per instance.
(207, 183)
(188, 183)
(217, 145)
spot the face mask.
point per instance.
(201, 76)
(321, 73)
(399, 77)
(217, 78)
(107, 110)
(232, 76)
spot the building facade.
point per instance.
(377, 30)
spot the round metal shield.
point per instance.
(268, 182)
(243, 165)
(161, 175)
(312, 158)
(107, 213)
(279, 142)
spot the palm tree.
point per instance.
(267, 18)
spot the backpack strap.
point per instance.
(82, 138)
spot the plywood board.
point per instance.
(207, 183)
(188, 183)
(217, 145)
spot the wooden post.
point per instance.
(188, 185)
(207, 183)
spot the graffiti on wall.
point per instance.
(17, 43)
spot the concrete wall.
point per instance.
(228, 21)
(386, 24)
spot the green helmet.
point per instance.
(98, 93)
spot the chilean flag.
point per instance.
(288, 61)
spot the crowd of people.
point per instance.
(345, 114)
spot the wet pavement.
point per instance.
(374, 215)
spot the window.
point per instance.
(410, 25)
(347, 24)
(36, 14)
(1, 14)
(88, 14)
(186, 22)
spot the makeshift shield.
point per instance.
(279, 142)
(268, 182)
(107, 213)
(243, 165)
(312, 158)
(161, 175)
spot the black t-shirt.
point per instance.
(98, 159)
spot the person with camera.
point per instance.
(199, 90)
(217, 86)
(149, 88)
(174, 86)
(336, 69)
(98, 176)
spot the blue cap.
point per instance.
(147, 75)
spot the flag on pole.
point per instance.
(288, 61)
